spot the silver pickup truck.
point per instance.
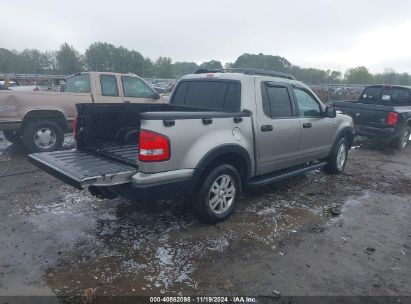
(221, 132)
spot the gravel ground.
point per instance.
(316, 235)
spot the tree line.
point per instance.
(102, 56)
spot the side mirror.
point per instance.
(156, 96)
(330, 112)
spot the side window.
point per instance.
(180, 93)
(276, 101)
(232, 97)
(134, 87)
(78, 84)
(306, 103)
(108, 85)
(400, 95)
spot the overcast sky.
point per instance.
(333, 34)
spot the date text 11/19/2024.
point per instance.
(203, 299)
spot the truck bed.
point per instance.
(126, 154)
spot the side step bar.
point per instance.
(282, 175)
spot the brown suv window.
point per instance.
(108, 85)
(134, 87)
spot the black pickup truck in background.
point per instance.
(381, 112)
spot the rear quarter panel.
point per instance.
(190, 140)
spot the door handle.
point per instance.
(266, 128)
(307, 125)
(207, 121)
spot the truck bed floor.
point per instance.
(127, 154)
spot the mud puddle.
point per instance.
(147, 249)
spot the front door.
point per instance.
(316, 130)
(137, 91)
(278, 129)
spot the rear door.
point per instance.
(316, 130)
(278, 128)
(137, 91)
(107, 89)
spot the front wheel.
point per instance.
(217, 197)
(338, 157)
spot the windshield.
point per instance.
(78, 84)
(386, 95)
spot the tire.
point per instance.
(42, 136)
(338, 158)
(210, 193)
(402, 141)
(12, 136)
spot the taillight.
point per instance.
(153, 147)
(392, 119)
(75, 127)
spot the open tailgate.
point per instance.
(81, 169)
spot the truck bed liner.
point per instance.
(126, 154)
(81, 169)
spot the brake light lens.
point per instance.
(392, 119)
(75, 127)
(153, 147)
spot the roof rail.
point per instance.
(247, 71)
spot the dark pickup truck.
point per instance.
(382, 112)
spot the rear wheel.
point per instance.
(218, 195)
(338, 157)
(402, 142)
(12, 136)
(43, 136)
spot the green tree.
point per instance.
(8, 61)
(163, 68)
(183, 68)
(261, 61)
(148, 68)
(334, 76)
(99, 56)
(404, 79)
(68, 60)
(358, 75)
(211, 65)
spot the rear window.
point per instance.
(218, 95)
(78, 84)
(386, 95)
(278, 103)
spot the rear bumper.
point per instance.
(6, 125)
(155, 192)
(142, 180)
(383, 133)
(156, 186)
(82, 169)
